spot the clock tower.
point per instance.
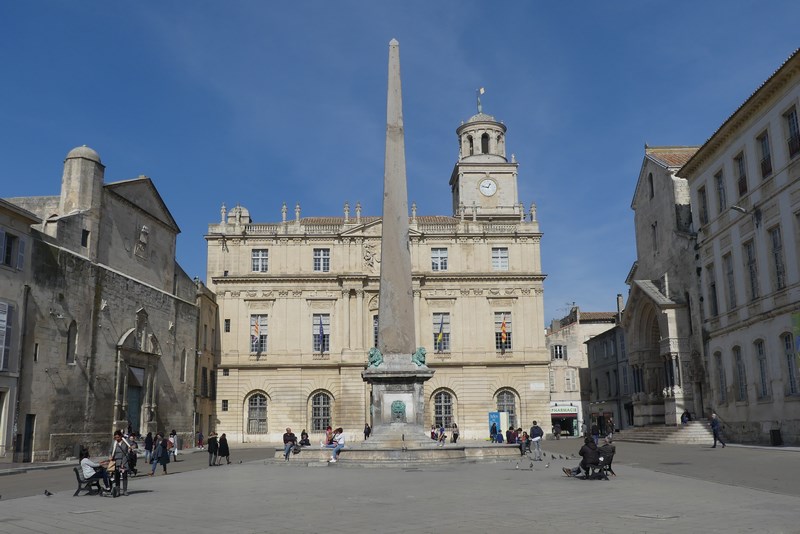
(484, 182)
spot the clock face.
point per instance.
(488, 187)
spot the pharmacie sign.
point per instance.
(563, 409)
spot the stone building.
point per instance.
(205, 378)
(298, 305)
(663, 349)
(610, 378)
(570, 387)
(15, 280)
(745, 192)
(111, 319)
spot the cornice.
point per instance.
(750, 107)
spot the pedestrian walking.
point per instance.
(367, 431)
(536, 436)
(715, 428)
(224, 450)
(213, 448)
(160, 454)
(148, 447)
(173, 444)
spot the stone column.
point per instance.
(347, 338)
(360, 319)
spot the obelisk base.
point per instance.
(398, 403)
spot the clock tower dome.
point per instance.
(484, 182)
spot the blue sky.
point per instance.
(264, 102)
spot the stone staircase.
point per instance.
(692, 433)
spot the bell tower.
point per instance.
(484, 182)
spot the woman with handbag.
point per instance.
(119, 455)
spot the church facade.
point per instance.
(108, 321)
(298, 307)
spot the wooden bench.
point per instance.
(86, 485)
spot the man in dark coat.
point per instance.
(536, 436)
(289, 441)
(590, 456)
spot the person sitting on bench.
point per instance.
(590, 455)
(93, 470)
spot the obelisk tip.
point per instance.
(394, 42)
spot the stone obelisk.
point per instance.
(398, 373)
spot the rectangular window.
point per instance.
(722, 200)
(258, 333)
(322, 260)
(35, 352)
(438, 259)
(570, 384)
(227, 325)
(654, 235)
(624, 379)
(204, 382)
(205, 337)
(703, 200)
(794, 132)
(12, 250)
(721, 382)
(321, 325)
(502, 331)
(730, 282)
(5, 335)
(741, 174)
(224, 405)
(500, 259)
(776, 249)
(763, 373)
(741, 375)
(766, 154)
(85, 238)
(441, 332)
(713, 309)
(789, 352)
(226, 372)
(558, 352)
(260, 260)
(752, 269)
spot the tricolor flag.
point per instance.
(441, 334)
(503, 335)
(256, 331)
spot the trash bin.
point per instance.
(775, 438)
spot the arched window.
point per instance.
(443, 409)
(650, 182)
(792, 387)
(507, 402)
(485, 144)
(471, 145)
(72, 340)
(320, 411)
(257, 414)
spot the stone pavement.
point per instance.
(272, 496)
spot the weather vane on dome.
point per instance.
(480, 92)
